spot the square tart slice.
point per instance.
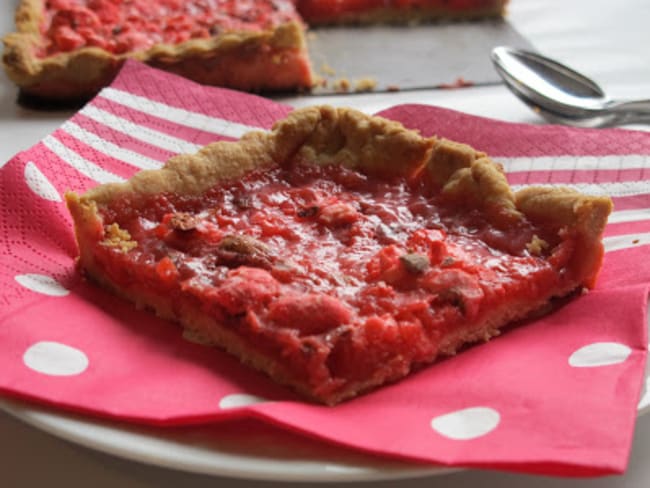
(339, 251)
(69, 49)
(317, 12)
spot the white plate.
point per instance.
(263, 453)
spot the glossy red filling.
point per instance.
(120, 26)
(322, 265)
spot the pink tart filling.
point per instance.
(120, 26)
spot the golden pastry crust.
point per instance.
(471, 178)
(325, 135)
(315, 135)
(252, 61)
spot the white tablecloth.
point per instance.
(607, 40)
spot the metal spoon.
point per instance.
(562, 95)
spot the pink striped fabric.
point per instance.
(574, 378)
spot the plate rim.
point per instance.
(134, 442)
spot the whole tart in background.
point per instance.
(69, 49)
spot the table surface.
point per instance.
(606, 40)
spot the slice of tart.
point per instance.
(317, 12)
(339, 251)
(72, 48)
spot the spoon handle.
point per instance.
(639, 107)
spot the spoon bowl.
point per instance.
(561, 94)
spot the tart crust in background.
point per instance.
(273, 59)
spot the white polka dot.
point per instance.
(55, 359)
(39, 184)
(237, 400)
(42, 284)
(599, 354)
(466, 424)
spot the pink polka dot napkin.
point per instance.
(557, 396)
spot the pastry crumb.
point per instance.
(536, 246)
(365, 85)
(118, 238)
(327, 70)
(460, 82)
(342, 85)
